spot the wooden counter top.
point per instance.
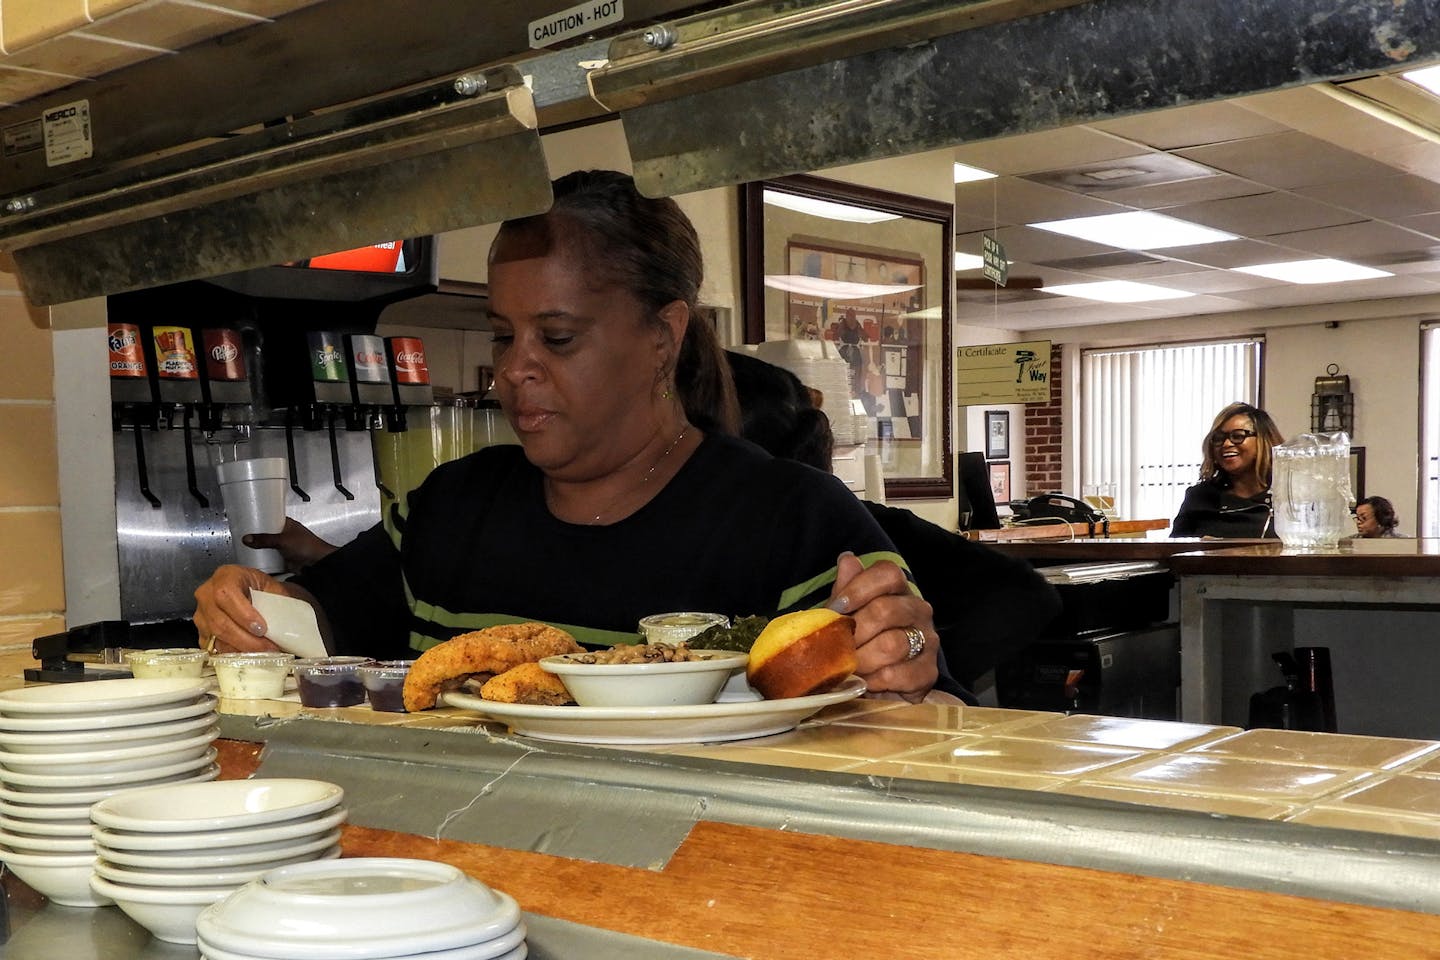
(1115, 550)
(1351, 558)
(1068, 531)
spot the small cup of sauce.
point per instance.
(166, 662)
(673, 628)
(330, 681)
(252, 675)
(384, 682)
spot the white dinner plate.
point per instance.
(128, 718)
(693, 724)
(79, 741)
(17, 779)
(147, 756)
(39, 796)
(99, 696)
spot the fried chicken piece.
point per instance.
(527, 683)
(492, 650)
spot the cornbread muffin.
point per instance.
(473, 658)
(800, 653)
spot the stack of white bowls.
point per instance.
(65, 746)
(363, 909)
(166, 853)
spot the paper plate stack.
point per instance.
(65, 746)
(165, 853)
(363, 909)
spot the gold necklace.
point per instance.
(648, 474)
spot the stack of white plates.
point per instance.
(64, 746)
(363, 909)
(166, 853)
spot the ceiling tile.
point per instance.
(1047, 150)
(1426, 223)
(1287, 160)
(262, 8)
(1354, 239)
(1384, 288)
(1105, 177)
(1218, 187)
(1034, 246)
(18, 85)
(76, 55)
(1421, 159)
(168, 25)
(1220, 281)
(1235, 253)
(1020, 201)
(26, 24)
(1191, 126)
(1382, 197)
(1263, 215)
(96, 9)
(1311, 111)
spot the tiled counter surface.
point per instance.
(1373, 784)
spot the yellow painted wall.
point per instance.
(32, 576)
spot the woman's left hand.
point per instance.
(890, 621)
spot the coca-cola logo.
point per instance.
(224, 352)
(121, 340)
(410, 358)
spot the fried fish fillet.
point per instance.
(527, 683)
(481, 652)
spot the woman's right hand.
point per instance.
(223, 610)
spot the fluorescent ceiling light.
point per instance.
(968, 261)
(1139, 230)
(1314, 271)
(826, 208)
(1116, 291)
(1427, 77)
(967, 174)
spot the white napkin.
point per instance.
(290, 623)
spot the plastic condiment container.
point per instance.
(678, 627)
(252, 675)
(330, 681)
(384, 682)
(166, 662)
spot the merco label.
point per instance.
(575, 22)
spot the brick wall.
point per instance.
(1043, 430)
(32, 573)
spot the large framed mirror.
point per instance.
(844, 272)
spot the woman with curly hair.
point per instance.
(1232, 498)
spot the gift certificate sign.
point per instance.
(992, 373)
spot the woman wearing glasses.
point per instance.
(1232, 498)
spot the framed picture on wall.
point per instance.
(1000, 481)
(1357, 473)
(997, 434)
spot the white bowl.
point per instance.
(357, 909)
(511, 946)
(166, 912)
(113, 760)
(65, 879)
(20, 779)
(202, 876)
(238, 837)
(221, 805)
(91, 722)
(680, 683)
(98, 696)
(44, 796)
(31, 843)
(81, 741)
(221, 857)
(75, 827)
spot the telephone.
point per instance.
(1064, 508)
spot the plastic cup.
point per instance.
(385, 684)
(252, 676)
(254, 494)
(330, 681)
(168, 662)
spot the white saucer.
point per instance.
(693, 724)
(128, 718)
(201, 876)
(80, 741)
(222, 805)
(219, 857)
(82, 781)
(238, 837)
(519, 951)
(40, 797)
(98, 696)
(113, 759)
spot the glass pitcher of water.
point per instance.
(1310, 490)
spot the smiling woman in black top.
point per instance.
(1232, 498)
